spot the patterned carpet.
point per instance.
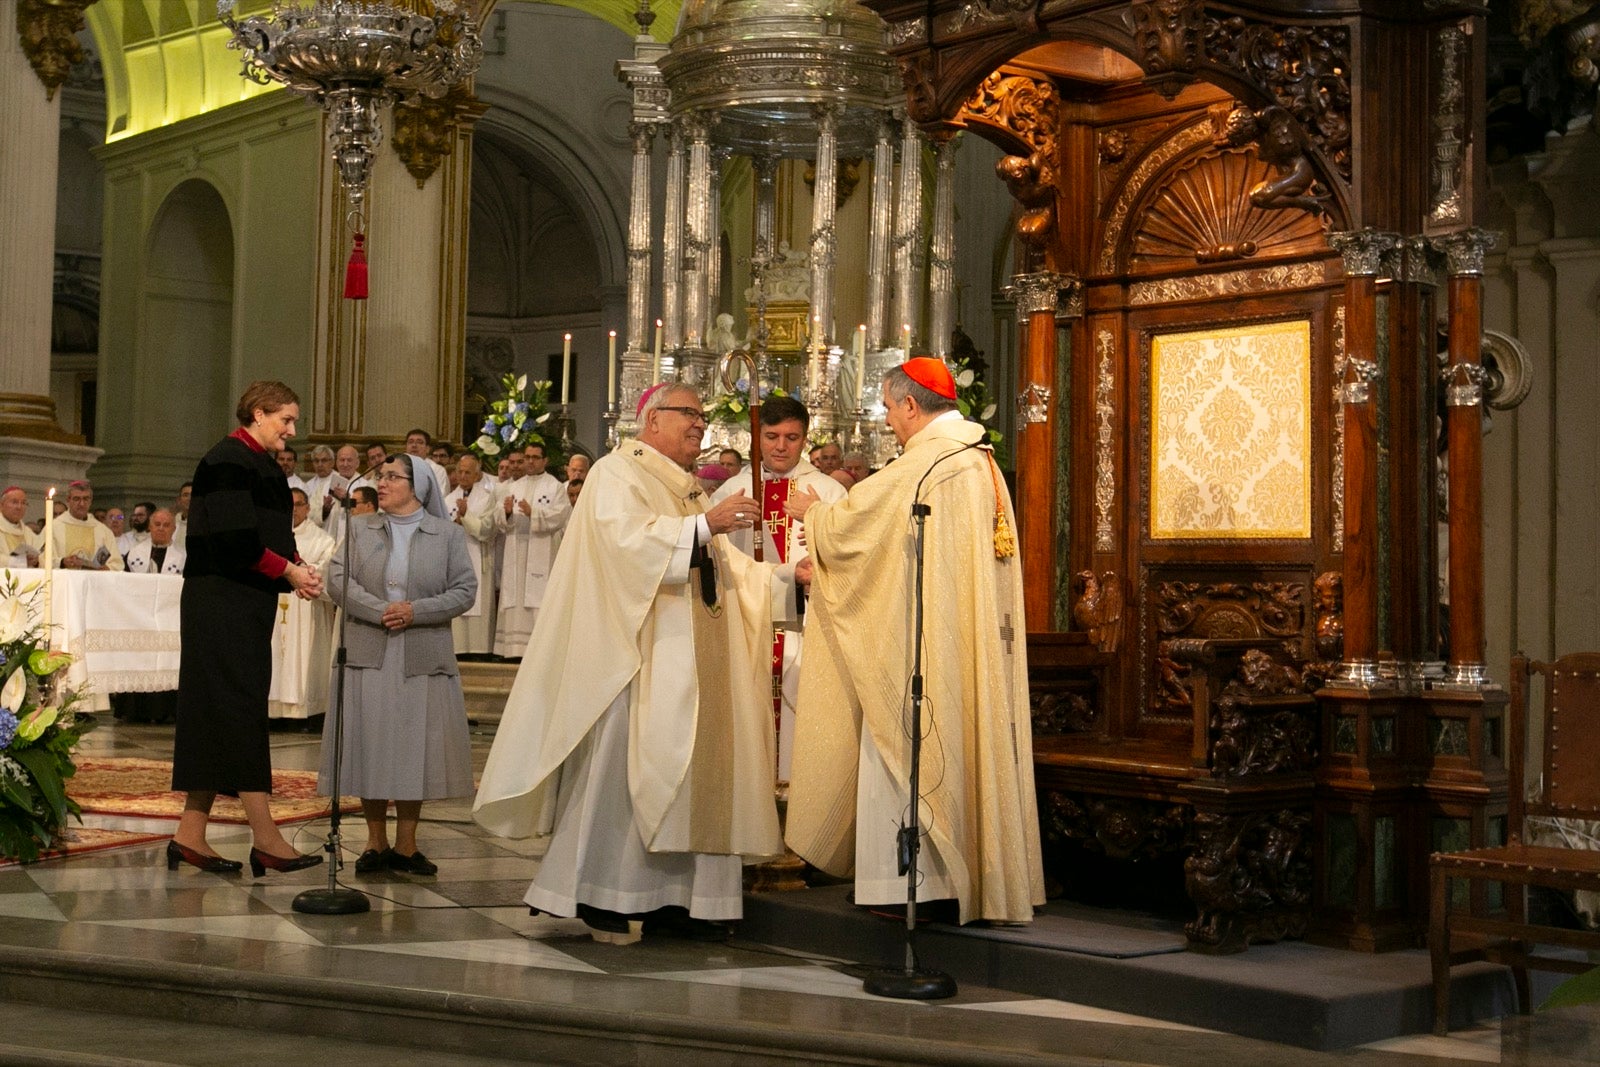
(142, 788)
(79, 840)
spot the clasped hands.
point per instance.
(398, 615)
(304, 579)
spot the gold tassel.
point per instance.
(1005, 542)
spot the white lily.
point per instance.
(522, 383)
(966, 378)
(16, 688)
(13, 620)
(988, 413)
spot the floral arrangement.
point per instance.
(38, 730)
(513, 420)
(974, 402)
(733, 407)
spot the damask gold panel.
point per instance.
(1230, 432)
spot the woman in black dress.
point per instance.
(241, 555)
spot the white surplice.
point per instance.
(474, 630)
(528, 548)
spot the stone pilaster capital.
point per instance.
(1416, 261)
(641, 134)
(1464, 250)
(1363, 250)
(1045, 291)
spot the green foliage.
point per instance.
(974, 402)
(733, 407)
(38, 730)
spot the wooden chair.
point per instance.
(1570, 789)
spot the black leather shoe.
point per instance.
(673, 921)
(262, 862)
(609, 922)
(177, 854)
(371, 861)
(416, 863)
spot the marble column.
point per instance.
(719, 160)
(1363, 252)
(942, 254)
(672, 234)
(34, 450)
(697, 232)
(1463, 389)
(823, 238)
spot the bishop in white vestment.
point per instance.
(19, 546)
(637, 734)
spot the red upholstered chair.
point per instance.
(1569, 788)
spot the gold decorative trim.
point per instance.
(1198, 133)
(425, 129)
(1339, 358)
(1105, 413)
(47, 30)
(1229, 283)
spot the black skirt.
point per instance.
(221, 743)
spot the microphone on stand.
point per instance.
(912, 981)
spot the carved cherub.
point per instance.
(1098, 609)
(1330, 615)
(1281, 143)
(1032, 184)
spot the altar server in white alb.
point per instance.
(784, 470)
(532, 513)
(302, 639)
(470, 505)
(638, 733)
(158, 553)
(83, 542)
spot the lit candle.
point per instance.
(655, 376)
(49, 528)
(566, 366)
(611, 368)
(861, 362)
(905, 339)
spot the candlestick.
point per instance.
(49, 560)
(566, 365)
(905, 339)
(611, 368)
(655, 376)
(861, 361)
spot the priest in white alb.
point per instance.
(784, 469)
(158, 553)
(470, 505)
(849, 789)
(302, 639)
(531, 515)
(83, 542)
(19, 546)
(637, 734)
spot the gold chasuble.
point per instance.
(616, 620)
(977, 759)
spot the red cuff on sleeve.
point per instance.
(271, 564)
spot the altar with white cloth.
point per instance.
(123, 635)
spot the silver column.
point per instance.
(765, 167)
(942, 261)
(908, 235)
(672, 245)
(719, 159)
(822, 212)
(878, 329)
(697, 226)
(638, 330)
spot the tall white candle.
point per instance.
(861, 362)
(49, 561)
(905, 339)
(611, 368)
(566, 366)
(655, 375)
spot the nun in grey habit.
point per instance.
(404, 721)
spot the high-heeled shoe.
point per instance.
(260, 861)
(177, 854)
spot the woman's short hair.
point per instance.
(267, 396)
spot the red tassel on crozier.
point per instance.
(355, 271)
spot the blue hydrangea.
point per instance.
(8, 727)
(507, 432)
(488, 427)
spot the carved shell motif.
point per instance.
(1203, 214)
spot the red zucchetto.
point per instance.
(932, 375)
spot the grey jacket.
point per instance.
(440, 584)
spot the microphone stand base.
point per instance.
(331, 902)
(903, 984)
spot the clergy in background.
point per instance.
(83, 542)
(638, 731)
(470, 505)
(302, 637)
(849, 789)
(21, 546)
(784, 469)
(158, 553)
(531, 516)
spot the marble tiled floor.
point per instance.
(467, 931)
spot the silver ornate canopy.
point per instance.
(761, 67)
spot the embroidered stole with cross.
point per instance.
(774, 493)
